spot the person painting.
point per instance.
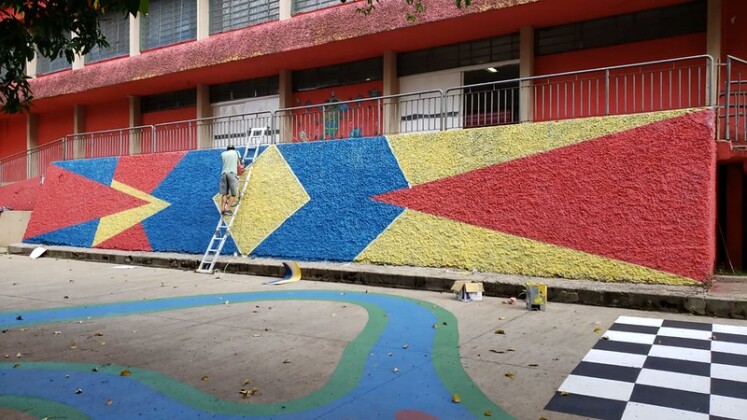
(229, 179)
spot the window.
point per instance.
(244, 89)
(170, 100)
(338, 75)
(116, 29)
(300, 6)
(169, 22)
(464, 54)
(45, 65)
(232, 14)
(632, 27)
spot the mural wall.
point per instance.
(613, 198)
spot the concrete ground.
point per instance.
(274, 350)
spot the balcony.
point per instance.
(680, 83)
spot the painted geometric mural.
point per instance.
(610, 198)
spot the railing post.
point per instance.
(324, 122)
(153, 140)
(443, 110)
(607, 92)
(727, 108)
(64, 148)
(273, 125)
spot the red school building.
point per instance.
(203, 73)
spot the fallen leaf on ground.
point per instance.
(247, 381)
(286, 361)
(510, 375)
(563, 393)
(500, 331)
(497, 351)
(404, 346)
(98, 334)
(456, 398)
(487, 413)
(533, 365)
(18, 355)
(73, 345)
(204, 378)
(597, 330)
(125, 373)
(78, 391)
(16, 366)
(108, 402)
(57, 332)
(395, 370)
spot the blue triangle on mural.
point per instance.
(77, 235)
(100, 170)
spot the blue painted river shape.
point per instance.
(379, 393)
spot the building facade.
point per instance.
(201, 74)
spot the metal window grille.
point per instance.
(170, 100)
(300, 6)
(339, 75)
(645, 25)
(226, 15)
(116, 29)
(169, 22)
(253, 88)
(464, 54)
(45, 65)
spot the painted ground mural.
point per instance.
(612, 198)
(431, 370)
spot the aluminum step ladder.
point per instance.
(223, 229)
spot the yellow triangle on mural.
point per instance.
(273, 195)
(117, 223)
(419, 239)
(425, 157)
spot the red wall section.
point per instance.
(172, 137)
(108, 116)
(734, 28)
(171, 115)
(20, 195)
(634, 89)
(12, 135)
(55, 125)
(341, 121)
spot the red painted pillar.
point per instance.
(735, 214)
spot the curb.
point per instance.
(684, 299)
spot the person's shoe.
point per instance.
(228, 212)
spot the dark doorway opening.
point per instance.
(491, 102)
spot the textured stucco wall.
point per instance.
(613, 198)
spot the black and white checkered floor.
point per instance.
(645, 368)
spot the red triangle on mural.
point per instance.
(132, 239)
(68, 199)
(614, 196)
(145, 172)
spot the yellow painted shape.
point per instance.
(273, 195)
(420, 239)
(425, 157)
(114, 224)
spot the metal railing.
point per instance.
(32, 162)
(206, 133)
(641, 87)
(734, 111)
(403, 113)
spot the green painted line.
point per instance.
(445, 358)
(41, 408)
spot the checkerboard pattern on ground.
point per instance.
(646, 368)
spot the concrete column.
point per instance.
(79, 126)
(31, 67)
(285, 92)
(78, 61)
(286, 8)
(526, 69)
(204, 128)
(32, 141)
(734, 226)
(713, 45)
(138, 137)
(391, 87)
(134, 35)
(203, 19)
